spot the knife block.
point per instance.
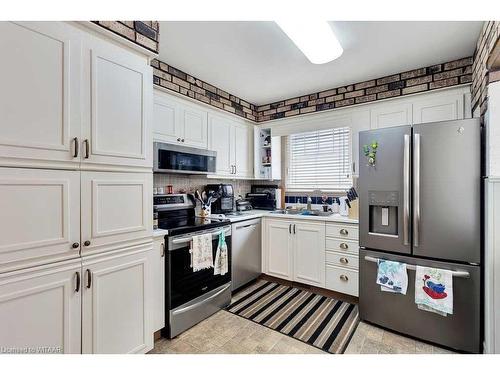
(354, 210)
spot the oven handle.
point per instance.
(189, 239)
(198, 304)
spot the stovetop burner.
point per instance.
(177, 215)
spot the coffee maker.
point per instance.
(225, 203)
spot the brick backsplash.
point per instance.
(144, 33)
(418, 80)
(190, 184)
(480, 75)
(176, 80)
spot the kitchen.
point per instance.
(151, 204)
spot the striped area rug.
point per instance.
(323, 322)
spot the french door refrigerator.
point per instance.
(420, 203)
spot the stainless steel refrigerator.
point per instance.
(420, 203)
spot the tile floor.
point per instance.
(226, 333)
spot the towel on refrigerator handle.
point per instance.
(392, 276)
(434, 290)
(221, 261)
(201, 252)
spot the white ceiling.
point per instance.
(257, 62)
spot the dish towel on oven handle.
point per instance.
(434, 290)
(392, 276)
(201, 252)
(221, 261)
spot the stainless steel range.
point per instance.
(190, 296)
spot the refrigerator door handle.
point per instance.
(406, 190)
(416, 190)
(413, 267)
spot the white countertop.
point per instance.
(159, 233)
(254, 214)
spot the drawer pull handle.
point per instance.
(344, 232)
(344, 260)
(344, 278)
(344, 246)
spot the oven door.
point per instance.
(184, 285)
(180, 159)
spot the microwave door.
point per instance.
(384, 189)
(447, 190)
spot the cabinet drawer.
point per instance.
(342, 231)
(342, 246)
(342, 260)
(342, 280)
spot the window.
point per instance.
(319, 160)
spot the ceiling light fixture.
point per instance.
(314, 38)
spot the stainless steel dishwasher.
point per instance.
(246, 252)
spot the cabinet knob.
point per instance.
(344, 232)
(75, 245)
(344, 246)
(344, 260)
(344, 278)
(182, 140)
(178, 139)
(87, 243)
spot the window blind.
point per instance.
(319, 160)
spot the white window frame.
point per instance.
(287, 158)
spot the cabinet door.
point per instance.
(166, 121)
(40, 309)
(116, 304)
(116, 208)
(243, 150)
(194, 126)
(445, 108)
(391, 114)
(117, 108)
(40, 97)
(309, 253)
(39, 216)
(220, 140)
(158, 286)
(278, 249)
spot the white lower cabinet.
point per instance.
(117, 302)
(278, 249)
(309, 253)
(40, 309)
(295, 250)
(158, 283)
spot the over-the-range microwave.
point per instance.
(170, 158)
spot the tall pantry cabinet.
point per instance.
(75, 191)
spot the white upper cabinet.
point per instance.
(178, 122)
(39, 216)
(194, 124)
(166, 124)
(232, 139)
(443, 108)
(221, 140)
(116, 208)
(117, 107)
(40, 308)
(391, 114)
(243, 150)
(117, 303)
(40, 96)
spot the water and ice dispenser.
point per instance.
(383, 212)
